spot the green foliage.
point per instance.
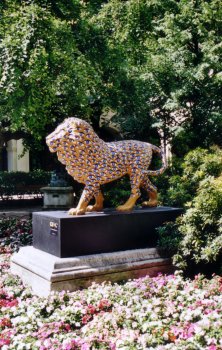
(151, 62)
(20, 183)
(173, 60)
(169, 238)
(15, 233)
(196, 237)
(201, 227)
(184, 181)
(44, 76)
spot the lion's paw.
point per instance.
(91, 208)
(150, 203)
(76, 211)
(124, 208)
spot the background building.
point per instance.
(14, 158)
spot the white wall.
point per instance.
(15, 161)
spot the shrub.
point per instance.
(196, 237)
(169, 238)
(185, 177)
(15, 233)
(19, 183)
(201, 227)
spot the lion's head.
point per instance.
(74, 129)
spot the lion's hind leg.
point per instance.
(135, 194)
(147, 185)
(98, 206)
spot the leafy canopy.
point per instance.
(152, 63)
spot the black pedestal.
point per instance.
(64, 236)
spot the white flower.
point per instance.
(134, 324)
(205, 323)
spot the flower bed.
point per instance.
(14, 233)
(166, 312)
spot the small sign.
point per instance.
(54, 226)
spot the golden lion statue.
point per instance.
(93, 162)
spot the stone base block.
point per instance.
(45, 272)
(57, 197)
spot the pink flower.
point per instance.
(4, 342)
(91, 309)
(103, 304)
(5, 322)
(8, 303)
(5, 337)
(85, 319)
(85, 346)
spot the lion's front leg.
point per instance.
(90, 190)
(82, 205)
(98, 206)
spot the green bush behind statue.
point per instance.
(195, 240)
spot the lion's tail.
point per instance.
(157, 172)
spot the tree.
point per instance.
(151, 63)
(44, 76)
(174, 60)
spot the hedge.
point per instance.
(20, 183)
